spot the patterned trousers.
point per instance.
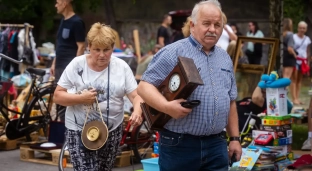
(90, 160)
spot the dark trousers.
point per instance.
(185, 152)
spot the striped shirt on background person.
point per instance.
(216, 70)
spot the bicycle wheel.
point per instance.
(64, 159)
(39, 109)
(144, 139)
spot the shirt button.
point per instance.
(210, 69)
(216, 98)
(216, 113)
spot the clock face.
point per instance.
(174, 82)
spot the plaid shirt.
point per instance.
(216, 70)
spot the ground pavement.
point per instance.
(10, 161)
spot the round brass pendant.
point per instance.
(94, 135)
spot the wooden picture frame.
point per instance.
(271, 56)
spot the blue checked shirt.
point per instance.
(216, 70)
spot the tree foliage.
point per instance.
(39, 10)
(296, 10)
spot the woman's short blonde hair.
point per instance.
(101, 35)
(186, 27)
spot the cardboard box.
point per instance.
(275, 128)
(273, 122)
(282, 131)
(256, 133)
(282, 141)
(276, 101)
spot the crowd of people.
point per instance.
(100, 79)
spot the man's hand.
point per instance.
(175, 110)
(235, 147)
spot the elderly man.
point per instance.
(192, 139)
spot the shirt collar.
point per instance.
(197, 45)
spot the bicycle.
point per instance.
(139, 139)
(39, 97)
(245, 134)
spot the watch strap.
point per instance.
(234, 138)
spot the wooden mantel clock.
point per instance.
(180, 83)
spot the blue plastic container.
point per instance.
(150, 164)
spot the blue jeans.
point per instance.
(183, 152)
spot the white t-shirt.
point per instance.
(250, 45)
(301, 45)
(224, 39)
(78, 76)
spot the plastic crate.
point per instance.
(150, 164)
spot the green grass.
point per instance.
(300, 134)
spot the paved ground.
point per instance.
(10, 161)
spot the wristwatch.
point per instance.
(234, 138)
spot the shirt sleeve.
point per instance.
(131, 83)
(65, 80)
(290, 40)
(79, 31)
(233, 91)
(229, 28)
(161, 65)
(309, 40)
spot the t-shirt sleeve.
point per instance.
(65, 79)
(290, 40)
(161, 65)
(308, 40)
(130, 83)
(79, 31)
(162, 32)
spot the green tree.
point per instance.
(296, 10)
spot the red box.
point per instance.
(263, 139)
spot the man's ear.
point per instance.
(191, 26)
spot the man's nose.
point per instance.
(212, 29)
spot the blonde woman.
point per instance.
(302, 46)
(289, 55)
(110, 79)
(186, 27)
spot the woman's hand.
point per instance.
(136, 119)
(88, 96)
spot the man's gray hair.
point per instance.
(303, 23)
(199, 4)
